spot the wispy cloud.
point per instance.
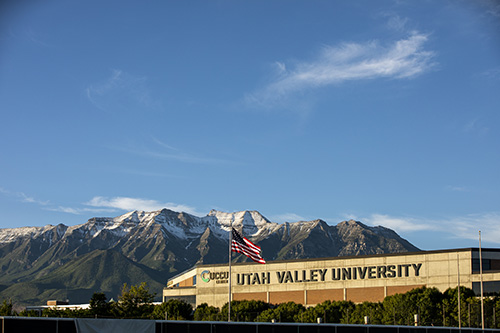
(492, 7)
(465, 227)
(400, 224)
(164, 151)
(35, 37)
(130, 204)
(396, 22)
(287, 217)
(79, 210)
(146, 173)
(62, 209)
(115, 205)
(492, 73)
(455, 188)
(100, 204)
(121, 91)
(21, 196)
(403, 59)
(475, 126)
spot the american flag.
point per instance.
(242, 245)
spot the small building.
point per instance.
(355, 278)
(57, 305)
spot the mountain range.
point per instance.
(72, 262)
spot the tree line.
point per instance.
(432, 307)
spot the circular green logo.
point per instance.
(205, 276)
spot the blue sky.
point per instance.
(387, 112)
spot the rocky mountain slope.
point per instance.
(61, 262)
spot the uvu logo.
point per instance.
(205, 276)
(218, 277)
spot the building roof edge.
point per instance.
(466, 249)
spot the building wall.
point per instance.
(358, 279)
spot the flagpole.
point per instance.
(481, 281)
(230, 241)
(458, 276)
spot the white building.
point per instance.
(356, 278)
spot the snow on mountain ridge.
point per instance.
(251, 223)
(11, 234)
(181, 225)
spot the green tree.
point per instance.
(204, 312)
(286, 312)
(426, 303)
(329, 312)
(394, 310)
(311, 314)
(246, 310)
(372, 310)
(135, 302)
(99, 305)
(66, 313)
(346, 310)
(174, 309)
(29, 313)
(496, 312)
(6, 308)
(450, 302)
(400, 309)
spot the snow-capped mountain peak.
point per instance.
(168, 242)
(250, 222)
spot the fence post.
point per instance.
(494, 316)
(469, 315)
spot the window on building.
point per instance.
(490, 288)
(194, 280)
(486, 265)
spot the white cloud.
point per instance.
(456, 188)
(465, 227)
(492, 7)
(35, 37)
(469, 226)
(287, 217)
(179, 156)
(492, 73)
(396, 22)
(405, 58)
(29, 199)
(121, 91)
(23, 197)
(130, 204)
(79, 211)
(68, 210)
(476, 126)
(99, 204)
(399, 224)
(167, 152)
